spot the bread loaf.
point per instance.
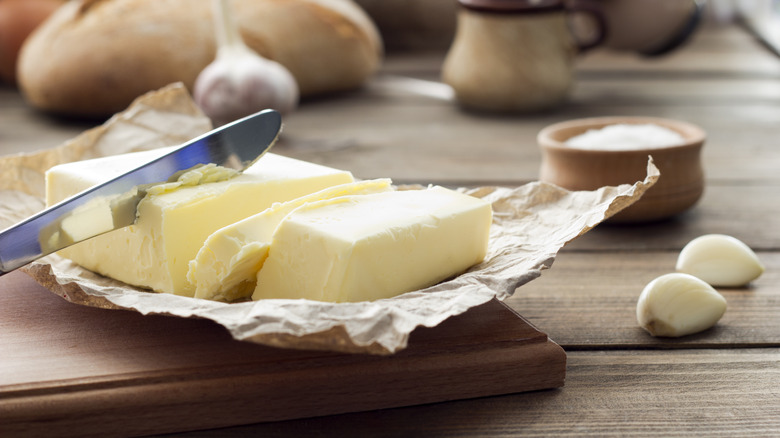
(93, 57)
(18, 18)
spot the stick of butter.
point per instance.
(368, 247)
(226, 267)
(173, 223)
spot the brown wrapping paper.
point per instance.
(531, 224)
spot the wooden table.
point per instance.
(620, 381)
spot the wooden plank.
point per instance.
(588, 300)
(694, 90)
(684, 393)
(750, 213)
(445, 146)
(438, 143)
(78, 371)
(415, 139)
(22, 129)
(727, 50)
(413, 144)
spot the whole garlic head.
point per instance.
(678, 304)
(720, 260)
(240, 82)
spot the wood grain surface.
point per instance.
(619, 380)
(588, 301)
(711, 393)
(70, 370)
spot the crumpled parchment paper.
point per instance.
(531, 224)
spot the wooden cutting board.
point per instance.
(66, 369)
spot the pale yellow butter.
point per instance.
(226, 266)
(174, 221)
(368, 247)
(68, 179)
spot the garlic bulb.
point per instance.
(720, 260)
(677, 305)
(240, 82)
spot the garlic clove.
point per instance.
(720, 260)
(239, 81)
(678, 304)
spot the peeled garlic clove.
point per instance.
(677, 305)
(720, 260)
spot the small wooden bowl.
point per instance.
(679, 188)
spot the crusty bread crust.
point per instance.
(93, 57)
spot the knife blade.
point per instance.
(112, 204)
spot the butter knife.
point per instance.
(112, 205)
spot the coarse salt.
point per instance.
(626, 137)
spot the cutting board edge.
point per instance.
(183, 405)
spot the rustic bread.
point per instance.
(18, 18)
(93, 57)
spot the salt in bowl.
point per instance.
(679, 187)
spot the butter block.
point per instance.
(174, 221)
(226, 267)
(66, 180)
(368, 247)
